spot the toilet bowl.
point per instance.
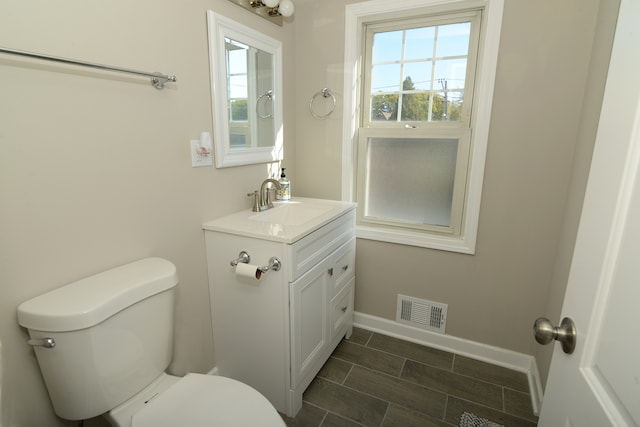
(75, 329)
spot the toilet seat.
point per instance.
(200, 400)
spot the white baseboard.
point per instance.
(497, 356)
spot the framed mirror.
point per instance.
(246, 86)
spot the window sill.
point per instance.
(460, 244)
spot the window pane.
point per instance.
(450, 81)
(384, 107)
(387, 46)
(450, 74)
(237, 61)
(238, 110)
(447, 106)
(417, 76)
(419, 43)
(238, 87)
(453, 39)
(411, 180)
(415, 107)
(385, 78)
(237, 140)
(454, 105)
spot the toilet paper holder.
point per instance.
(274, 263)
(243, 257)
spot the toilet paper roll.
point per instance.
(248, 271)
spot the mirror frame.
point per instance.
(219, 27)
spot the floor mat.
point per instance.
(470, 420)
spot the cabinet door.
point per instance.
(310, 329)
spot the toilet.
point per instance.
(103, 344)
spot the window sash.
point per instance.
(405, 219)
(471, 16)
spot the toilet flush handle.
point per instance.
(43, 342)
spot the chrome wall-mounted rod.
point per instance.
(274, 264)
(243, 256)
(158, 80)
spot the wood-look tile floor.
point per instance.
(375, 380)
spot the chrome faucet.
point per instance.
(265, 194)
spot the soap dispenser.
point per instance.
(284, 193)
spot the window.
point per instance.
(419, 138)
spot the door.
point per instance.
(599, 384)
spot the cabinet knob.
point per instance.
(345, 267)
(330, 271)
(344, 309)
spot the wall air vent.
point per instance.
(421, 313)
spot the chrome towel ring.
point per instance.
(325, 93)
(268, 95)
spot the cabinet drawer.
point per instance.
(343, 266)
(342, 309)
(311, 249)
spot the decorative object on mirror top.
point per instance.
(273, 10)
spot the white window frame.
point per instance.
(356, 17)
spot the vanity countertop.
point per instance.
(286, 222)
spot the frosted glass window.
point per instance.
(411, 180)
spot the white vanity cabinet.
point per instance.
(276, 333)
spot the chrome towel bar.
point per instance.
(158, 80)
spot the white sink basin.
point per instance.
(286, 222)
(291, 213)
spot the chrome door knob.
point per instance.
(545, 332)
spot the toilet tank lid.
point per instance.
(89, 301)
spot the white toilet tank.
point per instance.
(113, 335)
